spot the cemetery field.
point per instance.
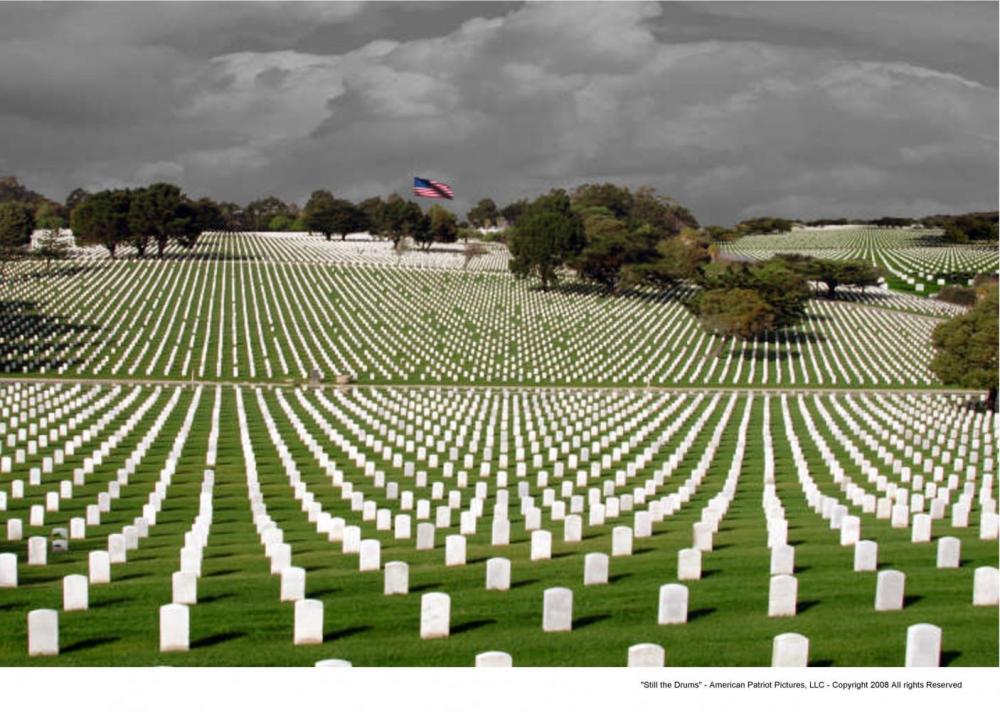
(672, 461)
(914, 261)
(256, 310)
(556, 476)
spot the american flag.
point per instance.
(426, 188)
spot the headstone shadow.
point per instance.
(590, 620)
(89, 643)
(471, 625)
(345, 633)
(211, 640)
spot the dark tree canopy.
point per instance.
(741, 313)
(966, 348)
(443, 224)
(484, 214)
(547, 235)
(833, 273)
(783, 289)
(764, 226)
(155, 213)
(400, 218)
(103, 219)
(332, 216)
(16, 223)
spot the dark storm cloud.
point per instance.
(808, 109)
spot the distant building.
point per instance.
(64, 237)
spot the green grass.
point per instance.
(240, 621)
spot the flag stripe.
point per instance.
(426, 188)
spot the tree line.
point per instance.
(960, 229)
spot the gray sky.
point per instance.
(734, 109)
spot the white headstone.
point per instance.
(185, 588)
(866, 555)
(293, 583)
(99, 567)
(333, 663)
(116, 548)
(782, 596)
(8, 570)
(646, 655)
(494, 658)
(541, 545)
(175, 628)
(454, 550)
(889, 590)
(572, 528)
(14, 530)
(689, 564)
(75, 593)
(38, 547)
(435, 615)
(790, 650)
(308, 622)
(498, 574)
(621, 541)
(351, 543)
(370, 555)
(43, 632)
(557, 613)
(783, 560)
(425, 536)
(923, 645)
(595, 569)
(397, 578)
(850, 530)
(921, 529)
(986, 586)
(673, 606)
(500, 532)
(949, 552)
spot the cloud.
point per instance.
(543, 95)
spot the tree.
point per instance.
(677, 258)
(783, 288)
(546, 235)
(833, 273)
(979, 227)
(422, 232)
(399, 218)
(51, 247)
(16, 224)
(718, 233)
(443, 224)
(484, 214)
(609, 247)
(966, 348)
(280, 223)
(512, 211)
(207, 215)
(75, 198)
(103, 219)
(372, 210)
(347, 218)
(764, 226)
(616, 200)
(11, 191)
(319, 213)
(663, 214)
(742, 313)
(47, 216)
(156, 213)
(259, 213)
